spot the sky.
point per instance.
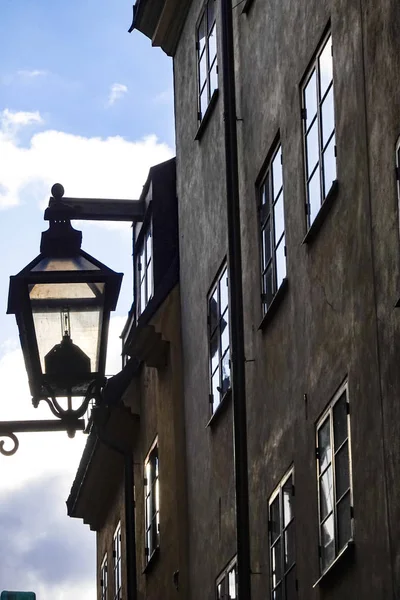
(86, 104)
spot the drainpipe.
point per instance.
(236, 304)
(130, 527)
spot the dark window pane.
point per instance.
(214, 351)
(279, 222)
(268, 286)
(325, 66)
(202, 71)
(312, 148)
(327, 542)
(201, 34)
(289, 546)
(142, 295)
(329, 166)
(280, 263)
(267, 244)
(214, 389)
(327, 117)
(340, 421)
(265, 191)
(314, 196)
(326, 493)
(210, 13)
(274, 519)
(213, 78)
(342, 471)
(291, 588)
(277, 594)
(344, 521)
(223, 292)
(213, 311)
(287, 497)
(226, 373)
(310, 98)
(324, 445)
(277, 571)
(224, 332)
(277, 173)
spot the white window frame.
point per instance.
(314, 134)
(207, 77)
(278, 539)
(117, 557)
(398, 176)
(271, 209)
(144, 271)
(219, 343)
(151, 502)
(336, 448)
(104, 578)
(226, 587)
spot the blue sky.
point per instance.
(87, 104)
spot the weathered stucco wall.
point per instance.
(337, 319)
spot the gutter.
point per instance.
(236, 304)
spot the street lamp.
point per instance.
(62, 302)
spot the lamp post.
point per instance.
(62, 302)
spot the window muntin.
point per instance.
(219, 340)
(319, 130)
(334, 479)
(152, 503)
(227, 585)
(207, 66)
(144, 273)
(103, 579)
(272, 227)
(117, 551)
(282, 541)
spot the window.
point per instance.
(117, 563)
(334, 479)
(103, 579)
(282, 541)
(272, 224)
(227, 583)
(398, 174)
(144, 273)
(152, 503)
(319, 130)
(207, 67)
(219, 343)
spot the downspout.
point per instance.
(236, 304)
(130, 526)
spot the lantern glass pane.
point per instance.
(75, 263)
(74, 310)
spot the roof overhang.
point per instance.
(161, 21)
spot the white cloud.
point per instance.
(110, 167)
(117, 90)
(12, 121)
(164, 97)
(31, 74)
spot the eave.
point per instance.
(161, 21)
(100, 472)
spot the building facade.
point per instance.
(318, 126)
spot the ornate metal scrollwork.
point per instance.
(15, 441)
(69, 419)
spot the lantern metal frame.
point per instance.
(62, 241)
